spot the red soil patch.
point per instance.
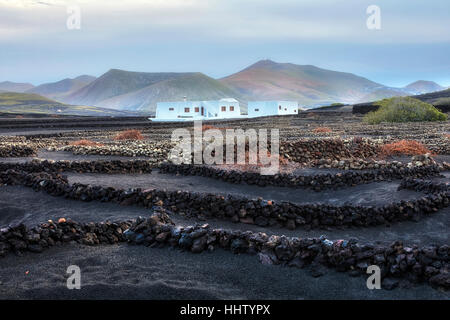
(322, 130)
(129, 135)
(85, 142)
(208, 127)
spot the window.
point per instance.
(295, 110)
(279, 107)
(224, 108)
(216, 115)
(197, 109)
(170, 109)
(231, 108)
(186, 110)
(285, 109)
(256, 110)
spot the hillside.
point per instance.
(114, 83)
(422, 86)
(195, 86)
(22, 103)
(8, 86)
(310, 85)
(439, 99)
(382, 94)
(265, 80)
(60, 89)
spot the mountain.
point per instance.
(60, 89)
(22, 103)
(15, 86)
(194, 86)
(309, 85)
(114, 83)
(383, 93)
(422, 87)
(265, 80)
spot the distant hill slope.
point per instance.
(15, 86)
(15, 102)
(60, 89)
(439, 99)
(422, 86)
(310, 85)
(195, 86)
(114, 83)
(382, 94)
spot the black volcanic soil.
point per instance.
(137, 272)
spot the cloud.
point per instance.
(230, 20)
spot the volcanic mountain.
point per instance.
(60, 89)
(310, 85)
(422, 86)
(15, 86)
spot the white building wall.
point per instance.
(271, 108)
(192, 110)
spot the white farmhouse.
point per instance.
(198, 110)
(271, 108)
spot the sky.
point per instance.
(220, 37)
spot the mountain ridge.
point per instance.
(264, 80)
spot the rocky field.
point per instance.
(348, 195)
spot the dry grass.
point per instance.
(129, 135)
(322, 130)
(85, 142)
(404, 147)
(208, 127)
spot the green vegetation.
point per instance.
(404, 109)
(442, 102)
(22, 103)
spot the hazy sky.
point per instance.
(220, 37)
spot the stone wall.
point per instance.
(95, 166)
(430, 263)
(316, 182)
(10, 149)
(237, 209)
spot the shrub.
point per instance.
(129, 135)
(208, 127)
(322, 130)
(85, 142)
(404, 147)
(404, 109)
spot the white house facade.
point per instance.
(198, 110)
(271, 108)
